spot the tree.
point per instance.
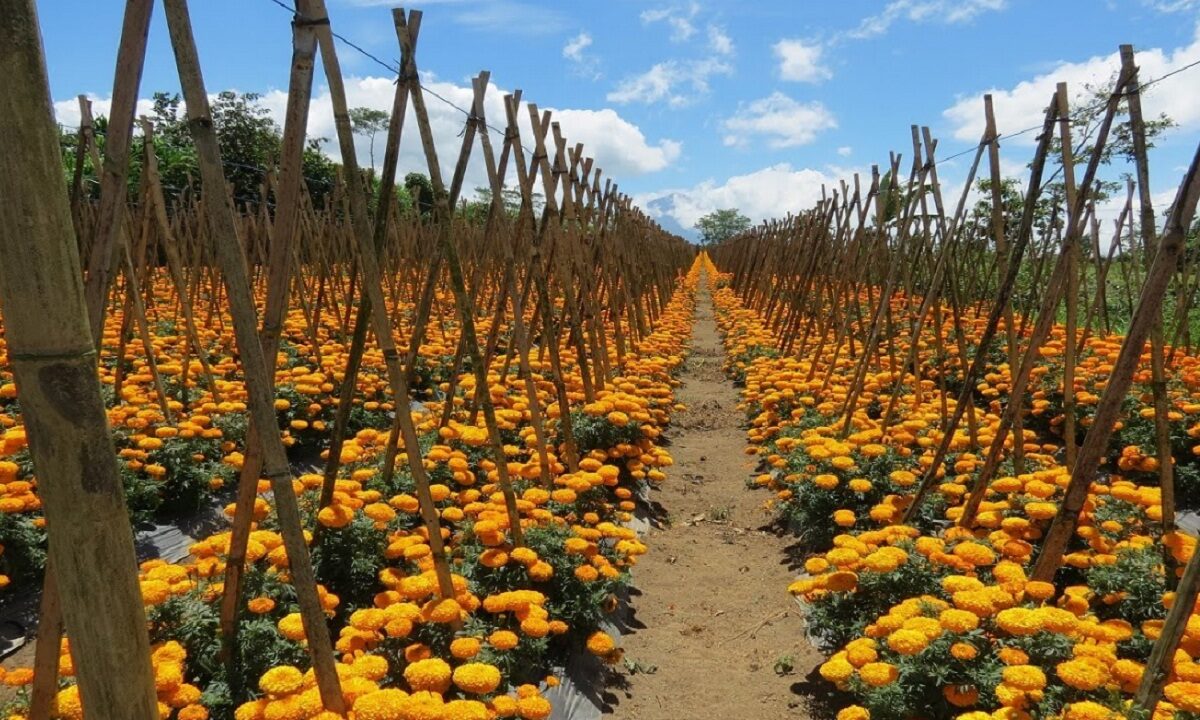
(420, 191)
(367, 122)
(720, 225)
(250, 142)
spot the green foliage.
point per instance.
(368, 122)
(249, 138)
(348, 560)
(1137, 579)
(720, 225)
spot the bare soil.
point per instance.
(719, 636)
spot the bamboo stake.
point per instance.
(258, 377)
(54, 364)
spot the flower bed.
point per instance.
(404, 651)
(936, 620)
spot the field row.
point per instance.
(938, 610)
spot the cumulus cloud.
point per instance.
(618, 146)
(676, 82)
(767, 193)
(782, 121)
(800, 61)
(66, 112)
(1023, 105)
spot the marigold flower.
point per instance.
(503, 639)
(260, 605)
(432, 674)
(600, 643)
(1024, 677)
(878, 674)
(907, 642)
(854, 712)
(477, 678)
(1082, 674)
(282, 680)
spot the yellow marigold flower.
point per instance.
(600, 643)
(1039, 590)
(963, 651)
(885, 559)
(540, 571)
(1088, 710)
(854, 712)
(826, 481)
(974, 553)
(1129, 671)
(962, 696)
(1019, 621)
(442, 611)
(465, 710)
(1082, 674)
(193, 712)
(907, 642)
(841, 581)
(859, 655)
(465, 647)
(860, 485)
(1184, 695)
(387, 704)
(533, 707)
(837, 669)
(959, 621)
(260, 605)
(477, 678)
(503, 639)
(504, 706)
(878, 674)
(282, 680)
(1024, 677)
(432, 674)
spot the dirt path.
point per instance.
(717, 618)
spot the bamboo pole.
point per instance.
(54, 364)
(258, 377)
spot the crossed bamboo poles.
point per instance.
(827, 276)
(573, 267)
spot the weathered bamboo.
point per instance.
(258, 377)
(53, 357)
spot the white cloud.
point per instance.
(618, 146)
(66, 112)
(783, 121)
(574, 48)
(1023, 105)
(582, 62)
(1173, 6)
(800, 61)
(719, 41)
(918, 11)
(674, 81)
(767, 193)
(845, 151)
(679, 19)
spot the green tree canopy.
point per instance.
(720, 225)
(368, 122)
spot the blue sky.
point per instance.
(696, 105)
